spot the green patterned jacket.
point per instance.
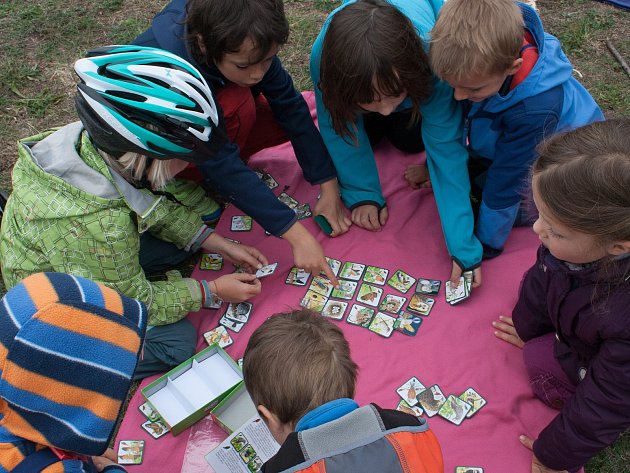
(69, 213)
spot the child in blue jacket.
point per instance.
(517, 88)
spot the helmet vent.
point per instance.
(127, 95)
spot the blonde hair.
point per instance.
(297, 361)
(136, 168)
(476, 37)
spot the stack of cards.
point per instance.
(236, 315)
(462, 291)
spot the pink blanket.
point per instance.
(455, 347)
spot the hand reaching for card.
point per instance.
(241, 255)
(506, 331)
(537, 466)
(457, 273)
(237, 287)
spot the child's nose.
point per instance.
(459, 94)
(538, 229)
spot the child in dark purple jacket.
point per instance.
(572, 318)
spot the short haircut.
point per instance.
(297, 361)
(583, 177)
(223, 25)
(476, 37)
(370, 43)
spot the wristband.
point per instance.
(209, 300)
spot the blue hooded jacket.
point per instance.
(442, 135)
(226, 173)
(506, 128)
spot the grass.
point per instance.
(40, 40)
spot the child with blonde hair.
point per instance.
(517, 88)
(572, 319)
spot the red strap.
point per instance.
(529, 54)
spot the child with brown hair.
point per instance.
(234, 44)
(517, 88)
(299, 373)
(572, 319)
(372, 80)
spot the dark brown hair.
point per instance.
(370, 45)
(223, 25)
(583, 177)
(297, 361)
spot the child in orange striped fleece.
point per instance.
(68, 351)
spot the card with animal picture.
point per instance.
(148, 412)
(288, 200)
(297, 277)
(321, 285)
(255, 464)
(369, 295)
(392, 303)
(218, 335)
(407, 323)
(376, 275)
(239, 312)
(130, 452)
(401, 281)
(468, 277)
(211, 261)
(473, 398)
(382, 324)
(409, 391)
(303, 211)
(269, 180)
(314, 301)
(359, 315)
(334, 264)
(233, 325)
(266, 270)
(346, 290)
(421, 304)
(247, 453)
(156, 428)
(241, 223)
(454, 410)
(239, 441)
(468, 469)
(407, 409)
(431, 400)
(334, 309)
(456, 294)
(430, 287)
(352, 271)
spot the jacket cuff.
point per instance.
(202, 235)
(461, 265)
(368, 202)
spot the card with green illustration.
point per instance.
(392, 304)
(360, 315)
(370, 295)
(346, 290)
(352, 271)
(334, 309)
(454, 410)
(314, 301)
(401, 281)
(376, 275)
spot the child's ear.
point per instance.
(516, 65)
(202, 47)
(619, 248)
(278, 429)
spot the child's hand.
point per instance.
(369, 217)
(242, 255)
(237, 287)
(537, 466)
(108, 458)
(505, 331)
(330, 206)
(457, 272)
(417, 176)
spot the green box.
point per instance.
(234, 410)
(191, 390)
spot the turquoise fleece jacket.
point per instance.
(442, 134)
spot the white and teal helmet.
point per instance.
(146, 100)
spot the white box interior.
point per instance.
(194, 388)
(238, 410)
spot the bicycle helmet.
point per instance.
(149, 101)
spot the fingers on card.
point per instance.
(287, 200)
(409, 391)
(407, 323)
(267, 270)
(369, 295)
(334, 309)
(421, 304)
(130, 452)
(352, 271)
(401, 281)
(321, 285)
(148, 411)
(219, 336)
(407, 409)
(241, 223)
(457, 294)
(429, 287)
(473, 398)
(360, 315)
(297, 277)
(382, 324)
(156, 428)
(314, 301)
(431, 400)
(454, 410)
(211, 261)
(335, 265)
(468, 277)
(376, 275)
(392, 303)
(346, 290)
